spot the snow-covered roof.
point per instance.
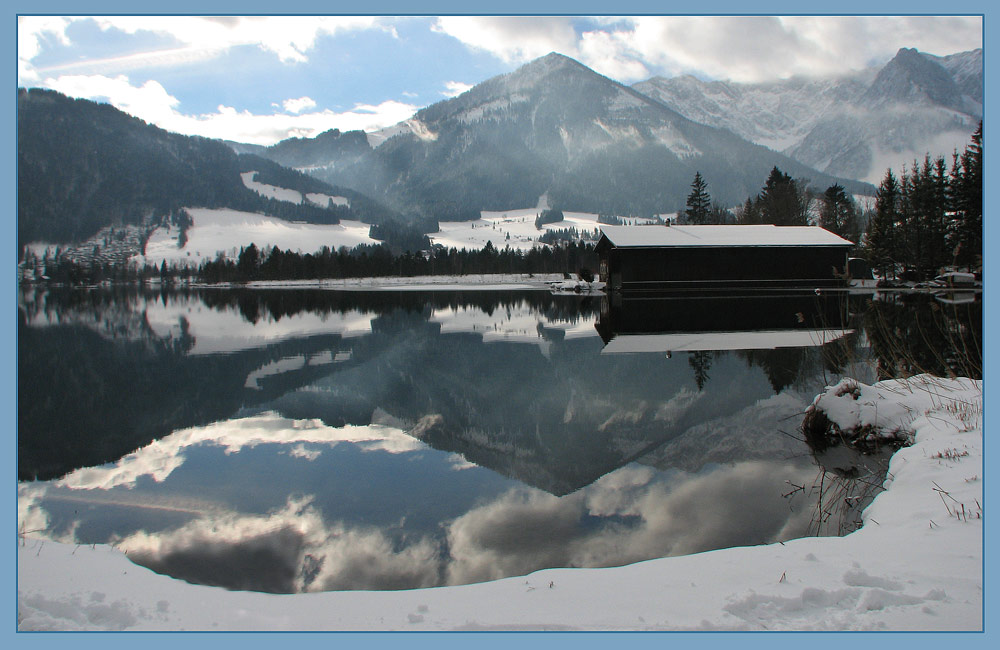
(729, 235)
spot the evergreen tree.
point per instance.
(965, 229)
(699, 203)
(922, 217)
(880, 237)
(907, 240)
(700, 362)
(919, 201)
(782, 201)
(839, 214)
(749, 213)
(548, 216)
(937, 216)
(248, 263)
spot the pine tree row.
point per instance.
(929, 218)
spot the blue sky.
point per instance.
(260, 79)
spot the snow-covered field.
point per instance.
(519, 225)
(496, 226)
(917, 564)
(225, 231)
(514, 228)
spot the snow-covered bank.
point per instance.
(915, 565)
(495, 281)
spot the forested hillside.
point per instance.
(84, 165)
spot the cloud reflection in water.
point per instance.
(632, 514)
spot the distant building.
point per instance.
(666, 258)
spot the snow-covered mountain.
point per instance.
(554, 127)
(853, 126)
(774, 114)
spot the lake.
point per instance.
(300, 440)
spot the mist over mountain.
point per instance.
(333, 147)
(853, 126)
(556, 128)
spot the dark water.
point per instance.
(302, 440)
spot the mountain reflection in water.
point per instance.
(296, 440)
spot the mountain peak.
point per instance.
(910, 75)
(551, 62)
(555, 56)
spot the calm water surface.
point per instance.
(305, 440)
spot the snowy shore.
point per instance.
(915, 565)
(493, 281)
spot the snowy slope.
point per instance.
(225, 231)
(292, 196)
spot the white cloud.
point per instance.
(120, 64)
(160, 458)
(526, 530)
(455, 88)
(760, 48)
(612, 55)
(738, 48)
(290, 38)
(512, 39)
(31, 31)
(298, 105)
(627, 49)
(303, 552)
(152, 103)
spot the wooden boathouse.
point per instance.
(635, 259)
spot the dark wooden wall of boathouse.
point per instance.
(668, 268)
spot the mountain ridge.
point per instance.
(853, 125)
(555, 127)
